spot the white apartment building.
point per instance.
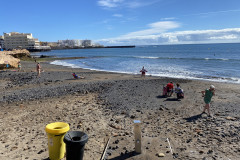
(87, 43)
(70, 43)
(75, 43)
(16, 40)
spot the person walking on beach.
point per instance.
(38, 69)
(207, 94)
(143, 71)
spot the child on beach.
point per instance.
(179, 92)
(207, 94)
(143, 71)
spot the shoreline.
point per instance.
(222, 80)
(105, 104)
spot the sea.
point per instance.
(212, 62)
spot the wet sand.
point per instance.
(105, 104)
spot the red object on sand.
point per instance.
(164, 91)
(75, 76)
(170, 86)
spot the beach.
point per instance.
(104, 104)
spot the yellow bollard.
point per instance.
(56, 146)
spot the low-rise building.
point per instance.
(70, 43)
(74, 43)
(87, 43)
(52, 44)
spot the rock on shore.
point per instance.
(12, 57)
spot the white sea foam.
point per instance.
(224, 59)
(63, 63)
(146, 57)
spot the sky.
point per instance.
(125, 22)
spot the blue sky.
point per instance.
(125, 22)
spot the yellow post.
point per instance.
(56, 146)
(137, 135)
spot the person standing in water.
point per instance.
(207, 94)
(143, 71)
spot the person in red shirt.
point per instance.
(170, 88)
(77, 77)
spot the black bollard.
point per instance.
(75, 142)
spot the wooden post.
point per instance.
(105, 149)
(137, 135)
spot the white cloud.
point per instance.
(180, 37)
(140, 3)
(126, 4)
(168, 18)
(118, 15)
(225, 37)
(109, 3)
(154, 28)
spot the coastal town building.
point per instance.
(1, 42)
(51, 44)
(15, 40)
(87, 43)
(70, 43)
(74, 43)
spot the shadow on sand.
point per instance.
(193, 118)
(161, 96)
(125, 156)
(172, 99)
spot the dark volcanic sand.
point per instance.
(106, 104)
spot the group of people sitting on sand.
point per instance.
(169, 89)
(207, 94)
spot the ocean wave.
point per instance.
(63, 63)
(219, 59)
(224, 59)
(176, 58)
(146, 57)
